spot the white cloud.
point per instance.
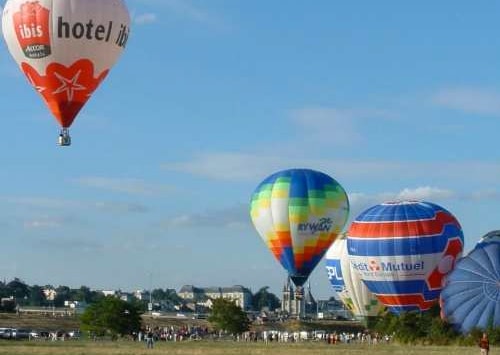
(361, 201)
(1, 17)
(41, 224)
(234, 217)
(55, 204)
(256, 166)
(185, 9)
(45, 222)
(424, 193)
(146, 18)
(251, 166)
(188, 10)
(120, 207)
(69, 243)
(238, 216)
(328, 124)
(43, 202)
(485, 195)
(336, 126)
(125, 185)
(228, 166)
(470, 100)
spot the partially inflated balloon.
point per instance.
(402, 251)
(347, 283)
(471, 297)
(299, 213)
(65, 47)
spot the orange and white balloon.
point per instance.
(65, 47)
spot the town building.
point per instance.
(141, 295)
(109, 292)
(49, 293)
(239, 294)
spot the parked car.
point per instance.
(34, 334)
(199, 316)
(5, 333)
(74, 334)
(19, 333)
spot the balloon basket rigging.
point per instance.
(64, 139)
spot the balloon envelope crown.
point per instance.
(400, 202)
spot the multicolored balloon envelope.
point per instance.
(299, 213)
(347, 283)
(471, 297)
(402, 251)
(65, 47)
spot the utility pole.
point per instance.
(150, 304)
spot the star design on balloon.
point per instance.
(65, 88)
(69, 85)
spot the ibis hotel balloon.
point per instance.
(65, 48)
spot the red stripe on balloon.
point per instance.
(391, 229)
(406, 300)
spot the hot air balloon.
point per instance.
(346, 282)
(471, 296)
(65, 49)
(299, 213)
(402, 251)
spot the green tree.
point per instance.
(172, 296)
(111, 316)
(36, 297)
(167, 294)
(158, 294)
(82, 294)
(264, 298)
(92, 296)
(63, 293)
(226, 315)
(4, 292)
(418, 327)
(18, 289)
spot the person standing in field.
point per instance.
(149, 339)
(484, 344)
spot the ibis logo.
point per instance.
(31, 24)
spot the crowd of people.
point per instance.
(171, 333)
(150, 335)
(328, 337)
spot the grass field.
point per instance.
(223, 348)
(85, 347)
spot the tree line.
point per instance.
(33, 296)
(428, 328)
(26, 295)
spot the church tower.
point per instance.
(287, 298)
(310, 302)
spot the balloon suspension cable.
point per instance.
(64, 139)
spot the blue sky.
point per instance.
(393, 99)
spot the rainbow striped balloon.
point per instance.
(299, 213)
(403, 250)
